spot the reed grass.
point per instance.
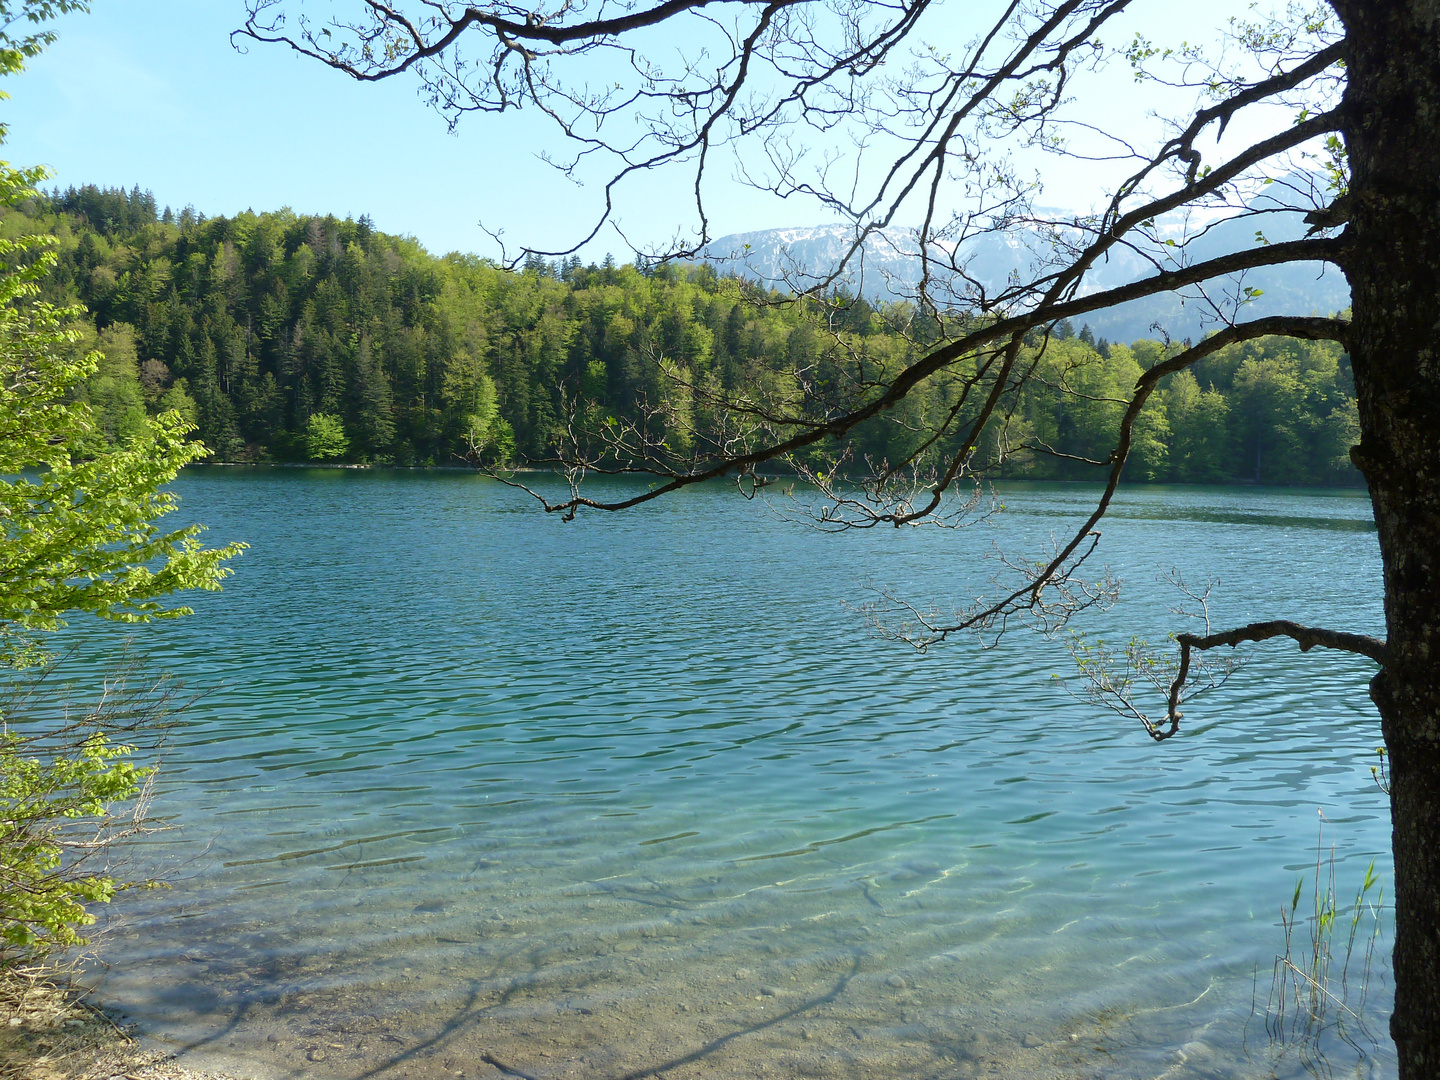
(1320, 1008)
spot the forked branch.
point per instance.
(1054, 573)
(1112, 676)
(1308, 637)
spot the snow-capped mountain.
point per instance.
(889, 268)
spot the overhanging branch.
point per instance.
(1064, 560)
(1319, 249)
(420, 49)
(1308, 637)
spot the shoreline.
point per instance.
(529, 470)
(48, 1031)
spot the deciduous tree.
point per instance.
(325, 437)
(881, 112)
(81, 489)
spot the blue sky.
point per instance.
(151, 92)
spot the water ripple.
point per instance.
(594, 798)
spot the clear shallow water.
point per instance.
(480, 792)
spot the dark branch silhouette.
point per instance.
(1308, 637)
(774, 69)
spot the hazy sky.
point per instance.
(151, 92)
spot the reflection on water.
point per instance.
(483, 794)
(1274, 510)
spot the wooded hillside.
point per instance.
(258, 324)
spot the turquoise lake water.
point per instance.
(477, 792)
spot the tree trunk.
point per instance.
(1392, 133)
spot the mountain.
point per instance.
(890, 268)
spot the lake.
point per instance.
(476, 792)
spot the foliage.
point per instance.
(255, 324)
(79, 503)
(325, 437)
(41, 797)
(82, 466)
(17, 48)
(64, 771)
(19, 43)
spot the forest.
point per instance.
(290, 338)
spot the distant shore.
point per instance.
(530, 470)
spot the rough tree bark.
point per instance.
(1392, 131)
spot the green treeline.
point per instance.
(290, 338)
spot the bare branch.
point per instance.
(1308, 637)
